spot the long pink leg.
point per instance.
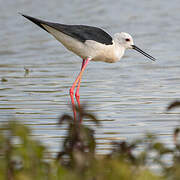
(71, 91)
(77, 90)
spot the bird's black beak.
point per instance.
(142, 52)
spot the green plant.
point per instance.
(24, 158)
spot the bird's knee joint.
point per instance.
(77, 95)
(71, 91)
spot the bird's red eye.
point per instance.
(127, 39)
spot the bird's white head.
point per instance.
(125, 41)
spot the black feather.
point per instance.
(79, 32)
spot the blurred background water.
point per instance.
(129, 97)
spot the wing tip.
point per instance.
(24, 15)
(34, 20)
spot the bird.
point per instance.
(91, 44)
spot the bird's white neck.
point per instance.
(119, 50)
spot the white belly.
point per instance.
(96, 51)
(70, 43)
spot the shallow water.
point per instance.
(129, 97)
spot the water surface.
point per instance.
(129, 97)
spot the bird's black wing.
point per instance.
(79, 32)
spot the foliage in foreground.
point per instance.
(23, 158)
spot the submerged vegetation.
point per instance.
(24, 158)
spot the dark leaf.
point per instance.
(66, 118)
(173, 105)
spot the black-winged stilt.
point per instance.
(91, 44)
